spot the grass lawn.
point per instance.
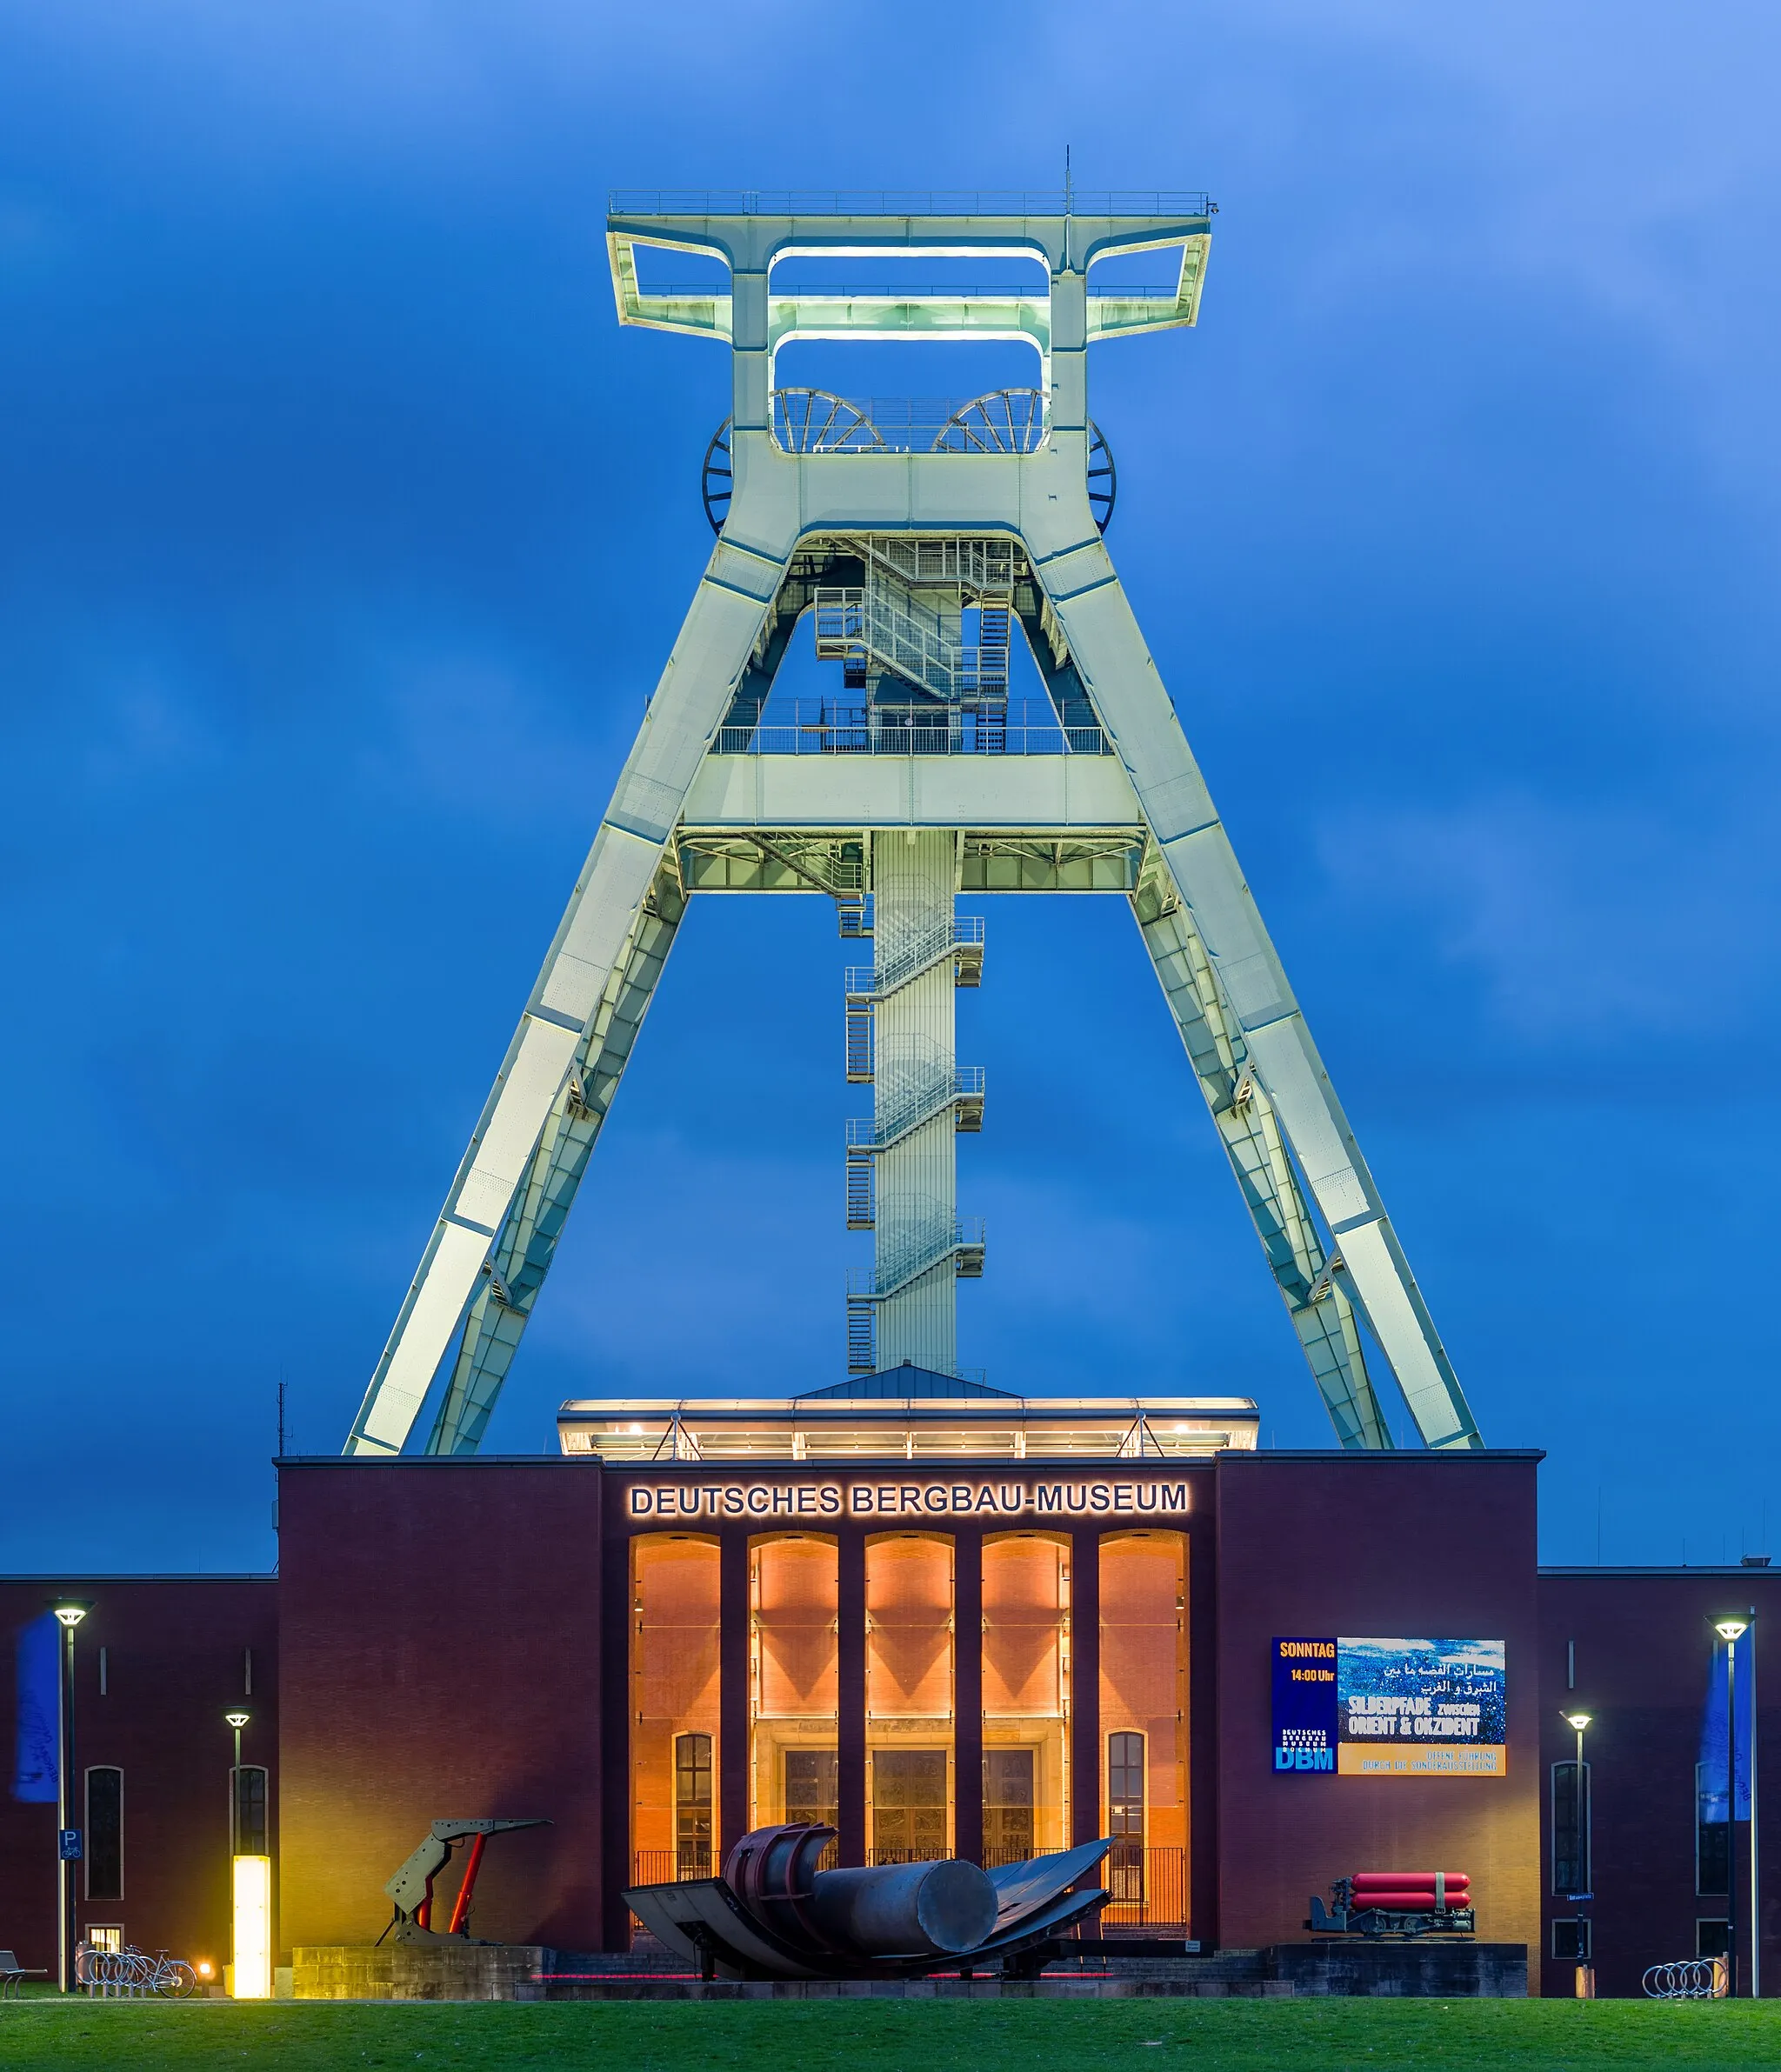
(1308, 2036)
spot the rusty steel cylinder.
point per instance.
(905, 1910)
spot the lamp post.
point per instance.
(1585, 1855)
(237, 1720)
(69, 1611)
(1732, 1631)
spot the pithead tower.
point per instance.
(916, 539)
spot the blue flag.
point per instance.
(1713, 1737)
(37, 1761)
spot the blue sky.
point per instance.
(343, 533)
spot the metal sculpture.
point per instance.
(773, 1913)
(918, 542)
(411, 1888)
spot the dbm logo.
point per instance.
(1304, 1759)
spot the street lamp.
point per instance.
(237, 1720)
(69, 1611)
(1585, 1866)
(250, 1892)
(1732, 1631)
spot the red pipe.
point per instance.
(460, 1906)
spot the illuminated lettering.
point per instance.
(798, 1498)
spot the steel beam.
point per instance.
(716, 641)
(523, 1256)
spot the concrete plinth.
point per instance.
(1424, 1969)
(415, 1971)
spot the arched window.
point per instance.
(1125, 1814)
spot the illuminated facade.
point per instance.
(909, 1554)
(927, 1620)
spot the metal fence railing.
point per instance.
(672, 1866)
(839, 201)
(1148, 1887)
(805, 729)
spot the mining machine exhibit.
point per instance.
(925, 546)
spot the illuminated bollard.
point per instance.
(250, 1975)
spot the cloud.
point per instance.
(1603, 921)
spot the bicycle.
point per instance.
(132, 1972)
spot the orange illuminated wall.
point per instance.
(793, 1687)
(909, 1784)
(1144, 1780)
(673, 1716)
(1027, 1696)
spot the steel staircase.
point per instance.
(881, 627)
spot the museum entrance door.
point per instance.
(1008, 1805)
(909, 1805)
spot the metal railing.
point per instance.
(673, 1866)
(840, 200)
(1149, 1886)
(871, 1132)
(808, 728)
(927, 1245)
(895, 967)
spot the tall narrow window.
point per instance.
(692, 1806)
(1570, 1828)
(1125, 1814)
(249, 1811)
(104, 1844)
(250, 1827)
(1712, 1853)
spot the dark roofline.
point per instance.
(1385, 1459)
(79, 1578)
(1657, 1571)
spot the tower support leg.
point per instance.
(717, 639)
(1121, 679)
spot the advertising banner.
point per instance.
(1390, 1708)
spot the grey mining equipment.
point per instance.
(773, 1915)
(411, 1888)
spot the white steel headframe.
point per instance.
(685, 819)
